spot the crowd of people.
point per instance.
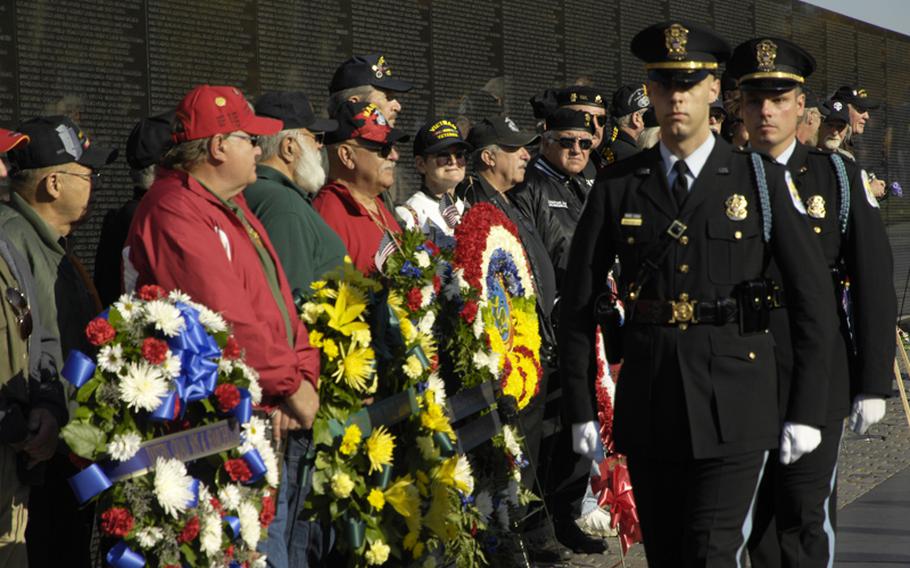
(751, 265)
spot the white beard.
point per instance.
(832, 143)
(308, 172)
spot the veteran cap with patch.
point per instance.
(857, 97)
(365, 123)
(437, 135)
(209, 110)
(55, 140)
(835, 111)
(628, 99)
(679, 51)
(499, 131)
(568, 119)
(372, 69)
(770, 64)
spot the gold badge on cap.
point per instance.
(598, 99)
(766, 53)
(587, 120)
(676, 37)
(815, 206)
(737, 207)
(573, 97)
(220, 101)
(381, 68)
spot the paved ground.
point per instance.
(873, 500)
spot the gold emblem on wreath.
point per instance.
(737, 207)
(766, 53)
(815, 206)
(676, 37)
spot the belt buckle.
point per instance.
(676, 229)
(683, 311)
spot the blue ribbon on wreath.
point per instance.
(256, 465)
(89, 482)
(122, 556)
(78, 368)
(234, 524)
(195, 348)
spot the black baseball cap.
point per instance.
(569, 119)
(149, 140)
(293, 108)
(365, 123)
(548, 101)
(835, 110)
(363, 70)
(857, 97)
(628, 99)
(718, 105)
(57, 140)
(770, 64)
(501, 131)
(438, 135)
(679, 51)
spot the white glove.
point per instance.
(798, 440)
(868, 409)
(586, 440)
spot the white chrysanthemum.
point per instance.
(171, 366)
(512, 493)
(172, 486)
(511, 442)
(210, 535)
(438, 387)
(229, 495)
(124, 446)
(311, 312)
(426, 295)
(458, 276)
(361, 337)
(255, 391)
(487, 360)
(271, 463)
(425, 325)
(180, 296)
(110, 358)
(204, 499)
(249, 524)
(484, 504)
(165, 317)
(225, 366)
(260, 562)
(142, 386)
(477, 326)
(128, 307)
(212, 320)
(254, 434)
(423, 259)
(149, 536)
(464, 475)
(502, 515)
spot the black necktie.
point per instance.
(681, 183)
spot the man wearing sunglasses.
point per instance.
(362, 158)
(554, 186)
(440, 156)
(32, 403)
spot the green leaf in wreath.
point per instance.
(83, 439)
(114, 318)
(188, 553)
(86, 391)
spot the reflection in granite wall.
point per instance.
(108, 62)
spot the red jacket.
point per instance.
(183, 237)
(348, 218)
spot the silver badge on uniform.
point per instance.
(737, 207)
(815, 205)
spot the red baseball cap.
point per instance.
(9, 139)
(208, 110)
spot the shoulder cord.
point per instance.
(843, 183)
(761, 183)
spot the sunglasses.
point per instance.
(19, 304)
(600, 120)
(460, 158)
(253, 140)
(569, 143)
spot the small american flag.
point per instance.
(386, 247)
(449, 210)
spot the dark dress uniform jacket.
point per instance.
(623, 147)
(865, 254)
(705, 391)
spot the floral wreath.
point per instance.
(181, 469)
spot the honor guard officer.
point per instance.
(800, 496)
(694, 222)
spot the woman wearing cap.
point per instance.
(440, 155)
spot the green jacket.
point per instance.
(66, 303)
(306, 245)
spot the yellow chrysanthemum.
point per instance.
(317, 285)
(456, 472)
(342, 485)
(346, 315)
(351, 440)
(376, 499)
(434, 417)
(379, 447)
(330, 348)
(354, 367)
(377, 554)
(428, 344)
(412, 367)
(362, 337)
(316, 338)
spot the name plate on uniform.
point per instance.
(631, 220)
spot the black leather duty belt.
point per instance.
(685, 312)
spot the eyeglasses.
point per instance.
(569, 143)
(19, 303)
(600, 120)
(93, 178)
(318, 137)
(253, 140)
(444, 159)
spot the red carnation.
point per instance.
(116, 522)
(231, 349)
(228, 397)
(99, 332)
(151, 292)
(154, 350)
(432, 247)
(229, 553)
(415, 299)
(469, 311)
(267, 514)
(190, 531)
(238, 470)
(437, 284)
(216, 504)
